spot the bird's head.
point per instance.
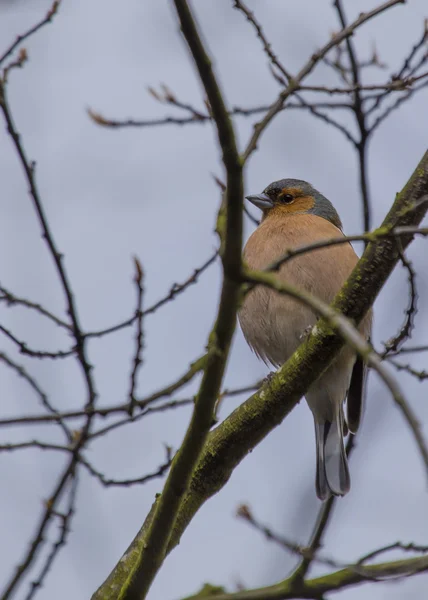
(288, 197)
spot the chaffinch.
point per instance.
(295, 214)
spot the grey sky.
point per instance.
(112, 194)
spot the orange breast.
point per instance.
(273, 323)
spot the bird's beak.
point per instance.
(262, 201)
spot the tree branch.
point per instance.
(21, 38)
(360, 117)
(231, 441)
(307, 69)
(314, 589)
(132, 580)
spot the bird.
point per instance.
(295, 214)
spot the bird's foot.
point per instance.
(306, 332)
(268, 377)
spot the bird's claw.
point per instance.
(306, 332)
(269, 377)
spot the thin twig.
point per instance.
(139, 337)
(314, 110)
(352, 337)
(360, 117)
(196, 367)
(30, 444)
(21, 38)
(65, 520)
(307, 69)
(403, 72)
(120, 408)
(410, 349)
(405, 332)
(81, 353)
(323, 520)
(267, 46)
(12, 300)
(171, 405)
(161, 470)
(421, 375)
(411, 547)
(53, 412)
(399, 101)
(175, 290)
(203, 118)
(244, 513)
(57, 257)
(317, 587)
(24, 349)
(374, 236)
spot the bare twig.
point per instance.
(175, 290)
(308, 554)
(229, 225)
(171, 405)
(168, 97)
(411, 547)
(21, 38)
(24, 349)
(253, 219)
(267, 47)
(393, 345)
(203, 118)
(410, 349)
(161, 470)
(22, 372)
(244, 513)
(120, 408)
(397, 85)
(398, 102)
(28, 445)
(65, 519)
(119, 123)
(18, 63)
(307, 69)
(404, 71)
(29, 170)
(421, 375)
(139, 339)
(316, 588)
(69, 471)
(404, 85)
(320, 529)
(12, 300)
(164, 392)
(374, 236)
(360, 116)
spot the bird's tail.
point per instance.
(332, 464)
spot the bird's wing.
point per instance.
(355, 403)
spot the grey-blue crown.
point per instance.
(322, 206)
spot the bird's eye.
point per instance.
(287, 198)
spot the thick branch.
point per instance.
(251, 422)
(316, 588)
(132, 578)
